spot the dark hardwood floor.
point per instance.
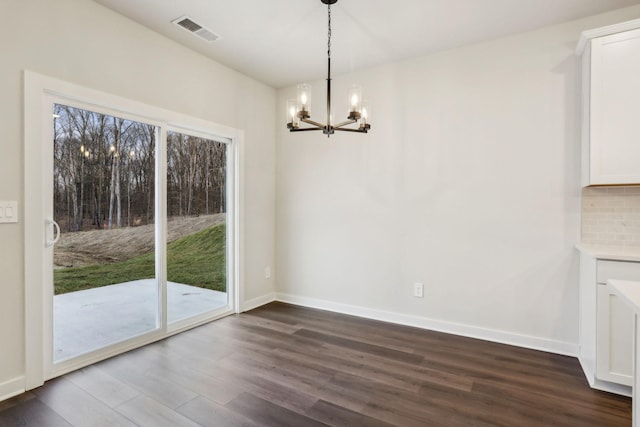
(282, 365)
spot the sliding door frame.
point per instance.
(40, 93)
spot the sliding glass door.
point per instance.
(131, 224)
(105, 286)
(139, 236)
(196, 225)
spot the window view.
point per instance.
(105, 285)
(197, 230)
(104, 263)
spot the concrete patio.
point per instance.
(91, 319)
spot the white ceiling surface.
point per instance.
(283, 42)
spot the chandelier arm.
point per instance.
(358, 130)
(304, 129)
(313, 123)
(345, 123)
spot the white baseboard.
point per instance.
(11, 388)
(526, 341)
(257, 302)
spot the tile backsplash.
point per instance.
(611, 216)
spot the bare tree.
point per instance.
(104, 171)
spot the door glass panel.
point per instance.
(197, 226)
(105, 289)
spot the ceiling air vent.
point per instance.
(196, 29)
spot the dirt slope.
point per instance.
(100, 246)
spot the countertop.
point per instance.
(610, 252)
(628, 290)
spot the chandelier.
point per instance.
(299, 110)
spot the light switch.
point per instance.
(8, 211)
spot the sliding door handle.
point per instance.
(56, 233)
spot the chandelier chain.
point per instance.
(329, 31)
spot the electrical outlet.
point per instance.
(418, 290)
(267, 272)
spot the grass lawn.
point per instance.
(198, 259)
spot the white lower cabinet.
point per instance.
(606, 325)
(614, 338)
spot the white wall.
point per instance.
(82, 42)
(469, 182)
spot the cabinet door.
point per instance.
(614, 339)
(615, 109)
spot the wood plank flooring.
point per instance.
(283, 365)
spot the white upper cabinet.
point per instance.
(611, 104)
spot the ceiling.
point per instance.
(283, 42)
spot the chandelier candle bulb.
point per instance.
(292, 114)
(304, 101)
(355, 97)
(364, 116)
